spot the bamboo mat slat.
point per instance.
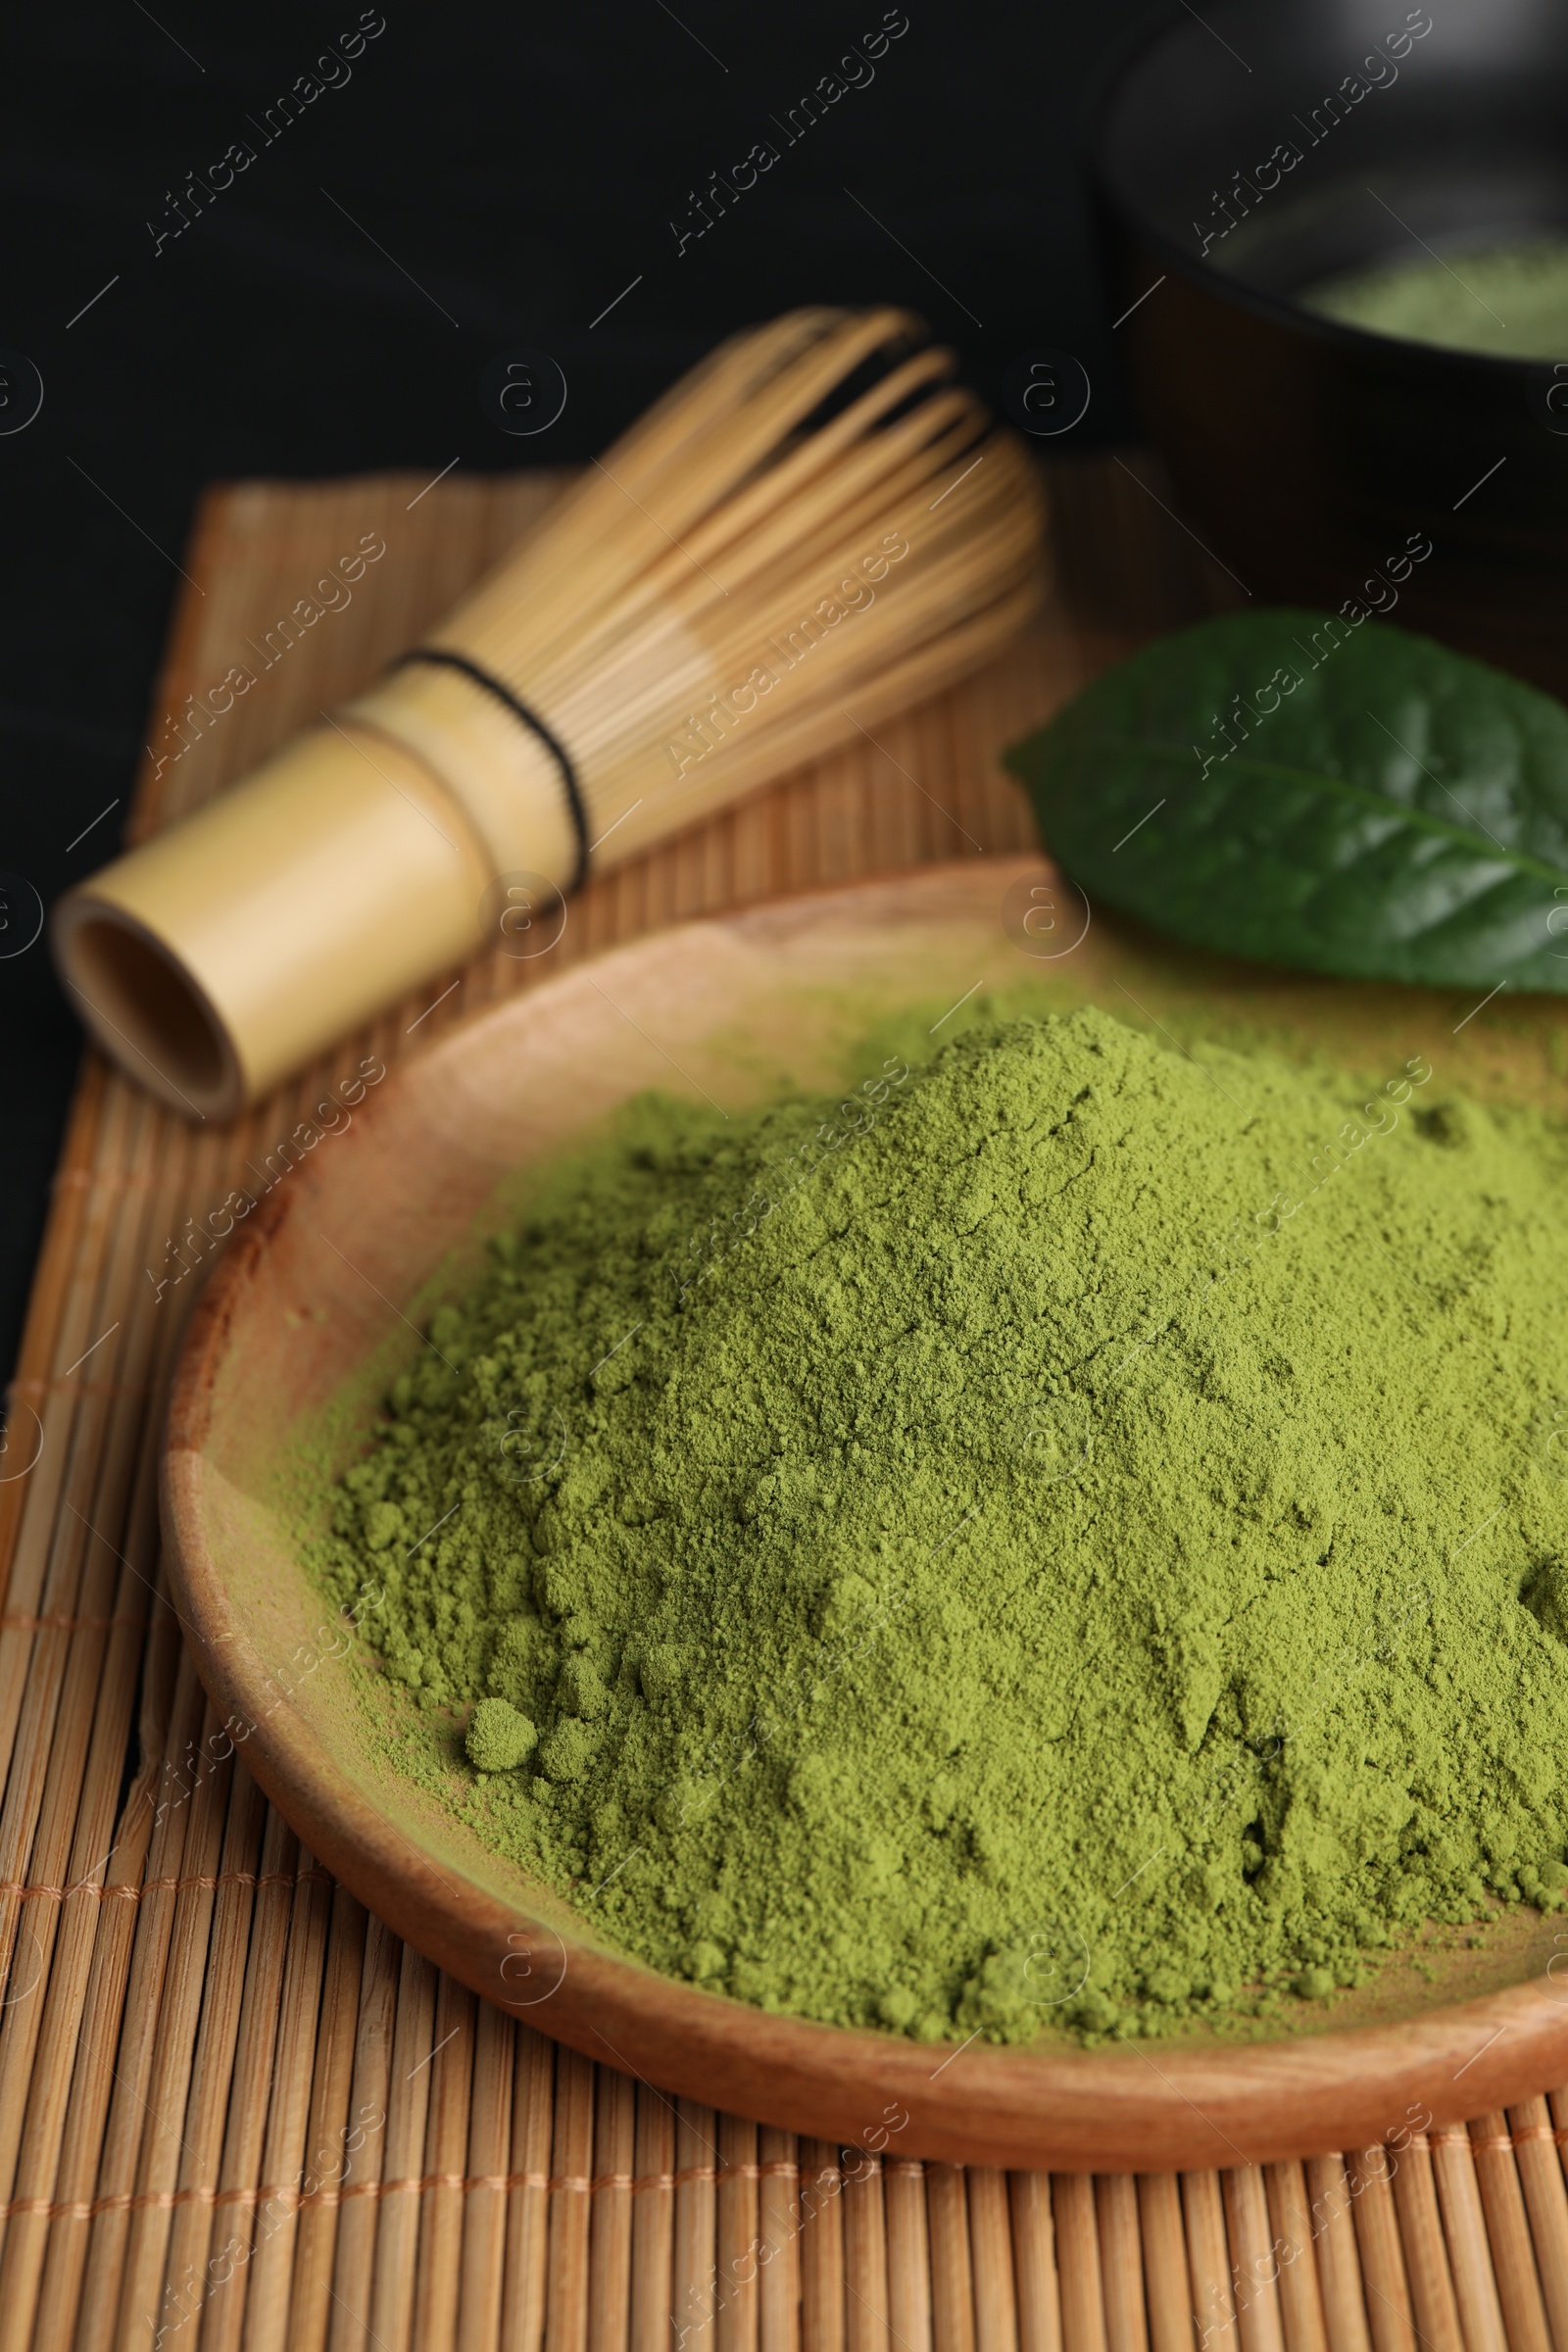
(235, 2111)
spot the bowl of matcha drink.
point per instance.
(1350, 265)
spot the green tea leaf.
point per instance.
(1282, 786)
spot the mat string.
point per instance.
(58, 1622)
(1494, 2144)
(336, 2193)
(164, 2200)
(135, 1891)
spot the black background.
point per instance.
(508, 170)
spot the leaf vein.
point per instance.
(1341, 787)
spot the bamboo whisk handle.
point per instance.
(224, 953)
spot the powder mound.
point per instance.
(1072, 1538)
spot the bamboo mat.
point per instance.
(234, 2110)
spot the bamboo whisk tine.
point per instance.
(713, 386)
(755, 400)
(830, 458)
(636, 508)
(696, 445)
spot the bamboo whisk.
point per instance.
(813, 528)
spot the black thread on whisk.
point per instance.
(439, 655)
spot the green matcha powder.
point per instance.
(1077, 1542)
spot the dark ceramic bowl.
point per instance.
(1244, 157)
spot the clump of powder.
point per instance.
(1080, 1537)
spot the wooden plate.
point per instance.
(306, 1309)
